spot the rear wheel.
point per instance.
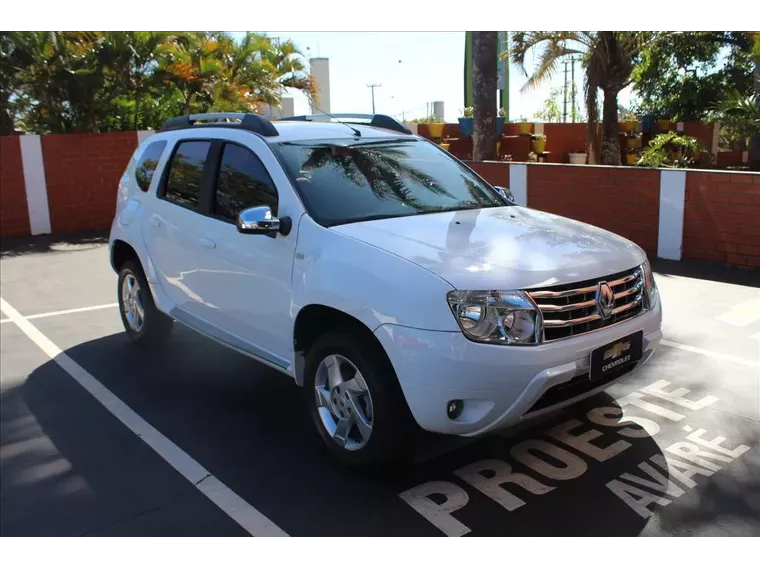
(356, 402)
(143, 322)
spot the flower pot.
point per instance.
(663, 124)
(499, 125)
(538, 145)
(628, 125)
(525, 127)
(435, 130)
(631, 159)
(633, 143)
(444, 146)
(465, 126)
(578, 157)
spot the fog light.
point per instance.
(454, 409)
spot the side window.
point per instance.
(242, 182)
(183, 186)
(147, 165)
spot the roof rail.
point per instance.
(376, 120)
(245, 121)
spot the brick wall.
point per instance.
(625, 201)
(14, 215)
(496, 173)
(82, 173)
(722, 218)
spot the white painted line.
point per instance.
(672, 203)
(518, 183)
(33, 167)
(222, 496)
(713, 354)
(742, 314)
(65, 312)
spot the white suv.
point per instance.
(379, 272)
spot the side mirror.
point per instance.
(260, 221)
(506, 194)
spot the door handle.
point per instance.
(207, 243)
(155, 221)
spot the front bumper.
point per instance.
(498, 384)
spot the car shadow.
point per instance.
(19, 246)
(247, 425)
(741, 275)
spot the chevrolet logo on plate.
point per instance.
(616, 350)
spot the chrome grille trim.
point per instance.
(572, 310)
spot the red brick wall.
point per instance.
(624, 201)
(561, 139)
(496, 173)
(14, 215)
(82, 173)
(722, 218)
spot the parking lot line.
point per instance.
(713, 354)
(222, 496)
(65, 312)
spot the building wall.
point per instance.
(320, 72)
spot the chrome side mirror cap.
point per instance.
(506, 194)
(260, 221)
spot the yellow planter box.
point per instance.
(663, 124)
(633, 143)
(538, 145)
(631, 159)
(525, 127)
(436, 130)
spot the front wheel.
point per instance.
(143, 322)
(356, 402)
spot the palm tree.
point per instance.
(608, 61)
(484, 71)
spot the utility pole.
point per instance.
(572, 80)
(373, 86)
(564, 96)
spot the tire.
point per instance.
(392, 427)
(154, 327)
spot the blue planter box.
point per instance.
(465, 126)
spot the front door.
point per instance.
(245, 279)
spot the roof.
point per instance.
(304, 127)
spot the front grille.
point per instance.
(571, 309)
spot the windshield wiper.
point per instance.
(370, 218)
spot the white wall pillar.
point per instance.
(143, 135)
(518, 183)
(672, 204)
(320, 72)
(538, 128)
(35, 185)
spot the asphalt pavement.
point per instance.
(672, 450)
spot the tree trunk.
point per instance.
(7, 125)
(610, 152)
(484, 75)
(754, 141)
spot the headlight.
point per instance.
(650, 288)
(501, 317)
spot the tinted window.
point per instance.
(148, 162)
(186, 172)
(243, 182)
(343, 181)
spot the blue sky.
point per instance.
(414, 68)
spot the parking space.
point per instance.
(672, 450)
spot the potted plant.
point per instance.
(633, 140)
(523, 126)
(532, 157)
(578, 157)
(632, 158)
(465, 122)
(537, 143)
(663, 124)
(500, 119)
(630, 123)
(434, 126)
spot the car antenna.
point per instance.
(356, 131)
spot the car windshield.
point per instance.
(345, 181)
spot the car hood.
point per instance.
(501, 248)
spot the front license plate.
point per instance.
(608, 359)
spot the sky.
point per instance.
(414, 68)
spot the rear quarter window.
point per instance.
(146, 167)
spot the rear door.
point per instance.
(172, 231)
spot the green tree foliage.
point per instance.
(684, 75)
(104, 81)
